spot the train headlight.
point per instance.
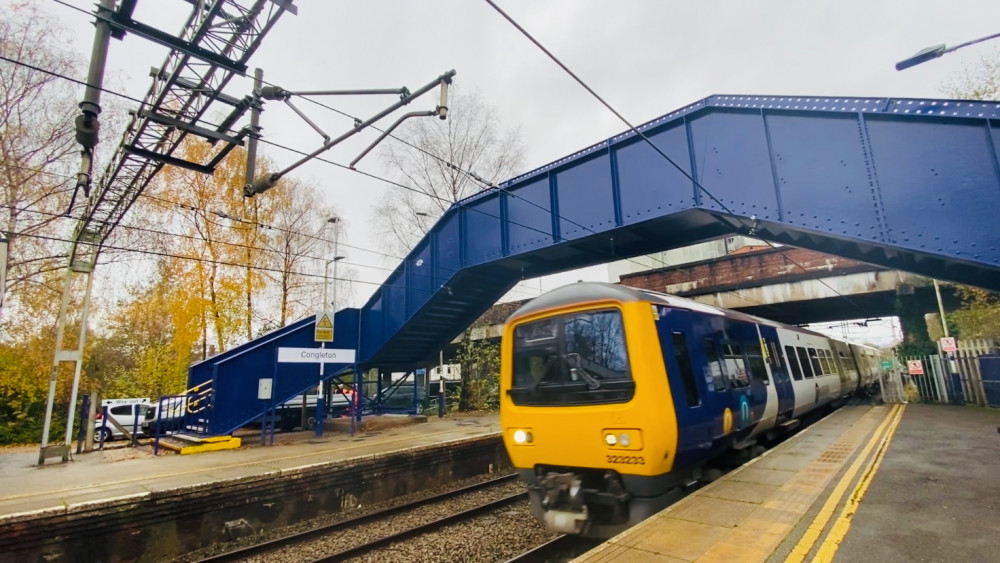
(622, 438)
(522, 437)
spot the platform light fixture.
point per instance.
(936, 51)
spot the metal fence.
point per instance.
(947, 377)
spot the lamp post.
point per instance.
(936, 51)
(320, 407)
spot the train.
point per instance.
(613, 398)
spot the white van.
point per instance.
(129, 413)
(171, 419)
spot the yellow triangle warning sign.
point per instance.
(324, 322)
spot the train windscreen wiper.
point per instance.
(578, 369)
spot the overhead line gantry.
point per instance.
(214, 45)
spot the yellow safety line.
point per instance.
(815, 529)
(832, 542)
(104, 485)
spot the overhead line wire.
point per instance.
(373, 176)
(469, 174)
(433, 196)
(644, 137)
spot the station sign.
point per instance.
(915, 367)
(948, 344)
(324, 327)
(316, 356)
(887, 364)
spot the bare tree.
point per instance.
(36, 141)
(299, 242)
(979, 81)
(436, 160)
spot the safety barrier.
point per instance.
(948, 377)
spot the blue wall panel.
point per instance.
(394, 304)
(585, 200)
(529, 212)
(419, 283)
(372, 323)
(649, 185)
(482, 231)
(731, 157)
(939, 184)
(238, 371)
(448, 249)
(823, 186)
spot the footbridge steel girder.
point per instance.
(909, 184)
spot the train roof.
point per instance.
(601, 291)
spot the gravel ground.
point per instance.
(497, 536)
(491, 537)
(512, 525)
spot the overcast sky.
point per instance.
(646, 58)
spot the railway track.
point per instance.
(271, 550)
(560, 548)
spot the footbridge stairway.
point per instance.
(910, 184)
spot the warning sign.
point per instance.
(916, 367)
(948, 344)
(324, 327)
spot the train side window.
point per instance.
(793, 363)
(824, 362)
(735, 366)
(817, 368)
(756, 359)
(775, 354)
(714, 366)
(844, 361)
(834, 365)
(807, 369)
(687, 372)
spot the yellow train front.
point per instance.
(591, 378)
(590, 446)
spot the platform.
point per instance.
(124, 504)
(119, 472)
(883, 483)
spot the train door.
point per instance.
(803, 378)
(780, 377)
(681, 355)
(749, 393)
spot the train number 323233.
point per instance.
(627, 459)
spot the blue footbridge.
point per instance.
(909, 184)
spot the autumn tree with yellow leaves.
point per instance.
(194, 266)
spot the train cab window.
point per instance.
(714, 366)
(793, 363)
(683, 358)
(807, 369)
(756, 358)
(574, 359)
(817, 368)
(735, 366)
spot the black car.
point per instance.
(400, 398)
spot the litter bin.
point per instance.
(989, 367)
(957, 395)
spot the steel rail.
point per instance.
(561, 547)
(362, 549)
(301, 537)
